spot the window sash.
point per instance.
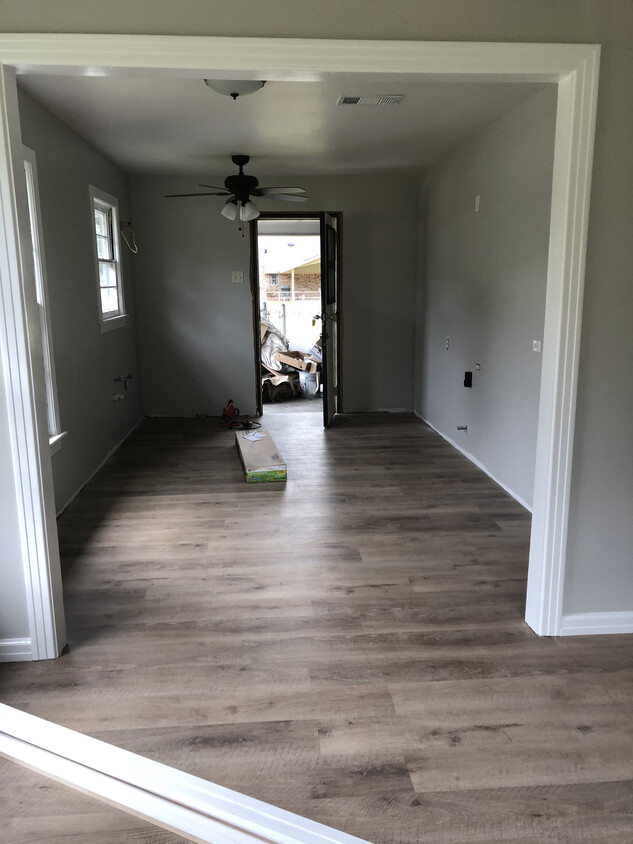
(107, 255)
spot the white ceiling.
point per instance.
(178, 126)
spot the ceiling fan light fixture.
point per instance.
(248, 211)
(229, 210)
(235, 87)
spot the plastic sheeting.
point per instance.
(274, 341)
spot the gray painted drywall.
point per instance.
(484, 283)
(195, 326)
(13, 613)
(599, 572)
(86, 361)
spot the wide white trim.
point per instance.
(477, 463)
(573, 157)
(594, 623)
(24, 384)
(109, 454)
(285, 58)
(15, 650)
(177, 801)
(573, 66)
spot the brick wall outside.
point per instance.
(308, 284)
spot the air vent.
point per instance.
(384, 100)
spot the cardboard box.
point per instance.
(298, 360)
(260, 458)
(316, 351)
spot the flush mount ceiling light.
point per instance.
(234, 87)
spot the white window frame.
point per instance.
(100, 200)
(55, 433)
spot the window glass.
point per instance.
(106, 229)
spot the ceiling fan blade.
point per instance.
(287, 197)
(213, 187)
(216, 193)
(273, 191)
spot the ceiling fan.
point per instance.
(240, 188)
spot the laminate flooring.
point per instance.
(349, 645)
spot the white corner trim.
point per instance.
(16, 650)
(595, 623)
(180, 802)
(109, 454)
(477, 463)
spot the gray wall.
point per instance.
(195, 326)
(86, 361)
(484, 289)
(599, 575)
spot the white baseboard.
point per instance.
(595, 623)
(189, 806)
(15, 650)
(100, 466)
(477, 463)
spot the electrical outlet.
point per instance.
(536, 346)
(448, 343)
(237, 277)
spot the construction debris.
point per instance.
(284, 370)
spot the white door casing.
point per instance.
(21, 352)
(573, 66)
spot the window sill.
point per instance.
(55, 442)
(111, 323)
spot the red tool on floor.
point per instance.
(229, 414)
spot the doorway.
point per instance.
(295, 281)
(289, 286)
(574, 67)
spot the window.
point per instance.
(108, 260)
(41, 294)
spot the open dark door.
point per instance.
(329, 315)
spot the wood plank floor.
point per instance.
(349, 645)
(34, 808)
